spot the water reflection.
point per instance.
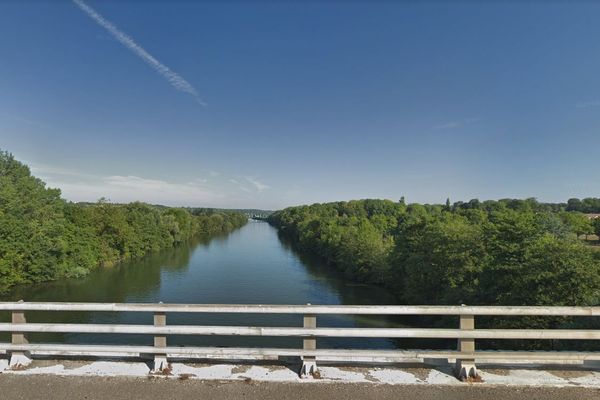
(251, 265)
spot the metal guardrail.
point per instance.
(466, 334)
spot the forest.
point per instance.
(506, 252)
(588, 205)
(44, 237)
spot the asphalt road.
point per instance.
(60, 388)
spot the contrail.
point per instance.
(173, 78)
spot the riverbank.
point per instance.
(251, 265)
(44, 237)
(505, 252)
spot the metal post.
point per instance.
(160, 359)
(19, 358)
(465, 368)
(309, 363)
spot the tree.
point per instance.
(448, 207)
(588, 205)
(579, 223)
(363, 252)
(596, 224)
(31, 225)
(574, 205)
(557, 272)
(509, 251)
(43, 237)
(441, 261)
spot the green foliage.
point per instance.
(588, 205)
(439, 260)
(557, 272)
(43, 237)
(577, 222)
(596, 226)
(493, 252)
(355, 236)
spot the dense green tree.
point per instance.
(43, 237)
(441, 260)
(492, 252)
(588, 205)
(32, 226)
(579, 223)
(363, 251)
(557, 272)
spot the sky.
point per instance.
(277, 103)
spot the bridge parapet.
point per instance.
(466, 334)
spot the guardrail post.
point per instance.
(465, 368)
(18, 358)
(309, 363)
(160, 341)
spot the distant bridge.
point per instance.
(258, 216)
(465, 356)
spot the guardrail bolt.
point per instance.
(19, 359)
(309, 363)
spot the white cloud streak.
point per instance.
(124, 189)
(258, 185)
(212, 190)
(448, 125)
(588, 104)
(458, 124)
(23, 120)
(177, 81)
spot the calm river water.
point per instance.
(251, 265)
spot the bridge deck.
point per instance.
(72, 379)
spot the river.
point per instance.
(252, 265)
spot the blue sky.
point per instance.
(305, 101)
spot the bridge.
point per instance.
(466, 357)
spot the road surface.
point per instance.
(117, 388)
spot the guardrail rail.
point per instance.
(20, 350)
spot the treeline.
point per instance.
(507, 252)
(590, 205)
(43, 237)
